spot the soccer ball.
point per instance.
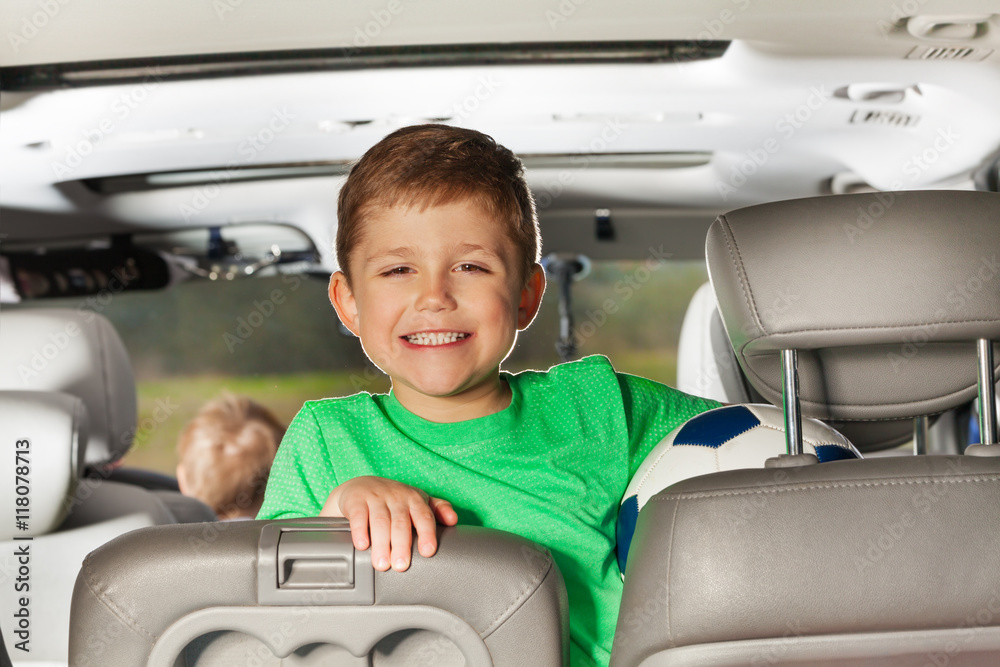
(727, 438)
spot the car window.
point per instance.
(278, 341)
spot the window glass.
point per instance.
(278, 341)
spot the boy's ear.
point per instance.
(343, 302)
(531, 297)
(181, 479)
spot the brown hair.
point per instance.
(430, 165)
(226, 453)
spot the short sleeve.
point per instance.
(302, 476)
(652, 410)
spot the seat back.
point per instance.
(876, 561)
(56, 516)
(66, 387)
(296, 590)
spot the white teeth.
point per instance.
(435, 338)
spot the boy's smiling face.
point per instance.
(437, 298)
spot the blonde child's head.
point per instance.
(226, 453)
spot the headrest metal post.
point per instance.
(790, 401)
(920, 426)
(987, 394)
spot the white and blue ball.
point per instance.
(727, 438)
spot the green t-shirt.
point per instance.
(552, 467)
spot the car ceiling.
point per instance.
(806, 100)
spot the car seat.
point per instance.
(66, 386)
(296, 592)
(54, 518)
(876, 561)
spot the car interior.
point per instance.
(833, 168)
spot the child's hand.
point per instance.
(390, 510)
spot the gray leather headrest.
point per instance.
(45, 437)
(77, 352)
(883, 295)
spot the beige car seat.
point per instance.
(877, 561)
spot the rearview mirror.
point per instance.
(235, 251)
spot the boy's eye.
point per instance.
(470, 268)
(397, 271)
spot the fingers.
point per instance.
(444, 512)
(332, 505)
(389, 524)
(423, 521)
(357, 516)
(383, 515)
(402, 535)
(380, 525)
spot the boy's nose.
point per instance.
(435, 295)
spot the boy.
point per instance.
(438, 246)
(225, 455)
